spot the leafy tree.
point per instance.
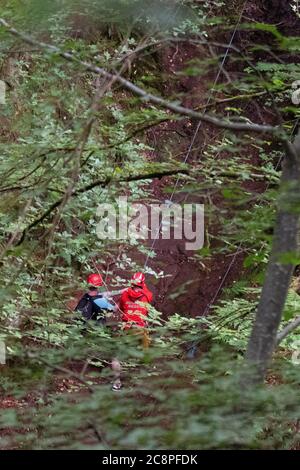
(80, 100)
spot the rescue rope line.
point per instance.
(198, 126)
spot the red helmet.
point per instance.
(95, 280)
(138, 279)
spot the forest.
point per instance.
(149, 229)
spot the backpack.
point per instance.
(89, 310)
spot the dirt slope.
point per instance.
(202, 280)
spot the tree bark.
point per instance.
(263, 337)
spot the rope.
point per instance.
(198, 128)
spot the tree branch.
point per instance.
(94, 184)
(288, 329)
(147, 97)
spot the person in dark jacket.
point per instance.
(93, 304)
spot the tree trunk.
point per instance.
(279, 271)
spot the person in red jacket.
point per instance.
(133, 302)
(133, 306)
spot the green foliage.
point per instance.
(233, 319)
(201, 398)
(58, 370)
(106, 14)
